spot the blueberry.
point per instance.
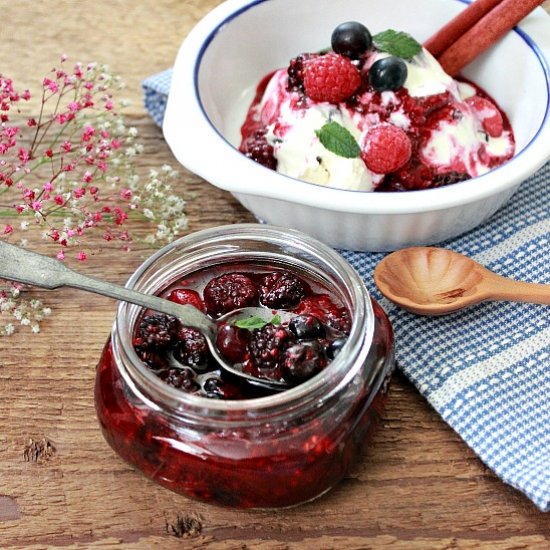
(306, 327)
(351, 39)
(388, 73)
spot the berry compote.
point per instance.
(167, 408)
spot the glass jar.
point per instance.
(278, 450)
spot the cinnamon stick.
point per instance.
(495, 24)
(456, 27)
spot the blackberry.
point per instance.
(448, 178)
(267, 345)
(296, 73)
(257, 148)
(181, 379)
(306, 327)
(156, 331)
(332, 315)
(282, 289)
(192, 349)
(302, 361)
(228, 292)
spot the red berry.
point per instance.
(331, 77)
(257, 148)
(296, 72)
(191, 349)
(490, 116)
(232, 342)
(386, 148)
(186, 296)
(228, 292)
(330, 314)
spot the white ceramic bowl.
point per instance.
(223, 58)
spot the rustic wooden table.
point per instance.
(420, 486)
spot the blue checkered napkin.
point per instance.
(485, 370)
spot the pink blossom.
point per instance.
(36, 205)
(26, 95)
(59, 200)
(126, 194)
(93, 189)
(67, 146)
(50, 85)
(82, 256)
(8, 229)
(48, 187)
(88, 134)
(61, 255)
(74, 106)
(87, 177)
(79, 192)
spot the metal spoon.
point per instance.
(435, 281)
(24, 266)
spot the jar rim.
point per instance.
(323, 385)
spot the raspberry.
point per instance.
(192, 349)
(228, 292)
(386, 148)
(331, 77)
(156, 331)
(186, 296)
(490, 116)
(267, 345)
(257, 148)
(282, 290)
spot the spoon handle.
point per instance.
(502, 288)
(24, 266)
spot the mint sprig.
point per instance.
(338, 140)
(254, 322)
(400, 44)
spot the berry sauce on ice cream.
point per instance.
(374, 114)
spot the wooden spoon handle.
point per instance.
(502, 288)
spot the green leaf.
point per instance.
(250, 323)
(338, 140)
(400, 44)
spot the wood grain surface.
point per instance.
(62, 487)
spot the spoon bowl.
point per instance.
(24, 266)
(437, 281)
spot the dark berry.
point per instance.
(296, 72)
(388, 73)
(192, 349)
(306, 327)
(267, 344)
(257, 148)
(186, 296)
(182, 379)
(156, 361)
(282, 289)
(301, 361)
(351, 39)
(228, 292)
(232, 342)
(448, 178)
(156, 331)
(212, 384)
(334, 347)
(328, 312)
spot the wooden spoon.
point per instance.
(435, 281)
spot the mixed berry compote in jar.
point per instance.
(167, 408)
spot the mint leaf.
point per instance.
(338, 140)
(400, 44)
(255, 321)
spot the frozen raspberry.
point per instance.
(228, 292)
(413, 175)
(302, 361)
(192, 349)
(282, 290)
(296, 72)
(156, 331)
(186, 296)
(386, 148)
(257, 148)
(490, 116)
(331, 77)
(330, 314)
(267, 345)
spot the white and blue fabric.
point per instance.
(485, 370)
